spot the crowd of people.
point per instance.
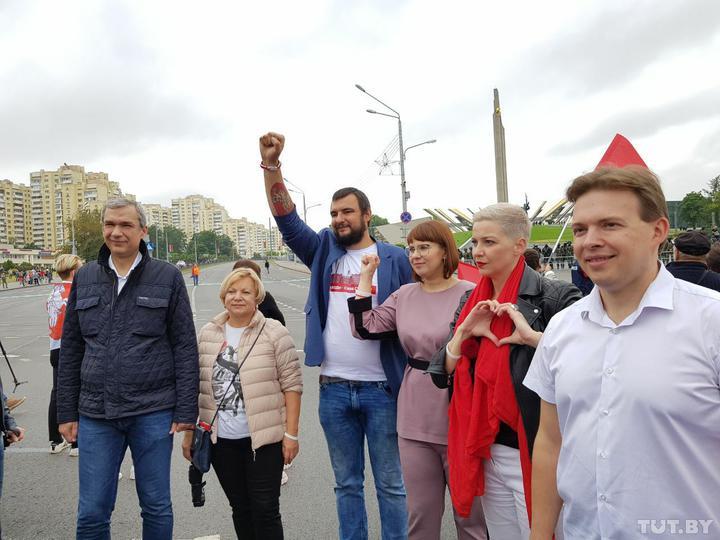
(545, 410)
(34, 276)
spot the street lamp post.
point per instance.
(405, 194)
(74, 245)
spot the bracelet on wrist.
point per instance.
(271, 167)
(450, 355)
(292, 437)
(364, 294)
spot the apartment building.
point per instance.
(196, 213)
(158, 215)
(15, 213)
(57, 196)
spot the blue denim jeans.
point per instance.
(102, 446)
(349, 413)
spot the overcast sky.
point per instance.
(170, 97)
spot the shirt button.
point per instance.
(613, 331)
(609, 371)
(603, 455)
(605, 412)
(603, 498)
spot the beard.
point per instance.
(353, 237)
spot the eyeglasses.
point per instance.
(421, 250)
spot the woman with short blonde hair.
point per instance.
(66, 265)
(493, 417)
(250, 377)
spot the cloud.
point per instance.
(615, 46)
(75, 103)
(646, 122)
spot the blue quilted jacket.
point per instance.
(129, 353)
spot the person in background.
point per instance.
(257, 400)
(268, 306)
(713, 258)
(267, 266)
(493, 417)
(3, 278)
(422, 419)
(195, 273)
(66, 266)
(690, 264)
(549, 272)
(12, 434)
(532, 259)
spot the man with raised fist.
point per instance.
(359, 380)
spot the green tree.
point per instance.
(695, 209)
(164, 237)
(210, 246)
(713, 194)
(377, 220)
(88, 234)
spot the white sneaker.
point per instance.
(56, 448)
(74, 452)
(132, 472)
(284, 479)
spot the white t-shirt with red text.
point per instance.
(346, 356)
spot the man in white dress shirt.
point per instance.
(629, 377)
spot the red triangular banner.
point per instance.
(620, 153)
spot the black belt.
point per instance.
(421, 365)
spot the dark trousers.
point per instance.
(251, 483)
(55, 436)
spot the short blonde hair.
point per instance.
(512, 219)
(66, 263)
(240, 273)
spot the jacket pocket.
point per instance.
(150, 316)
(89, 315)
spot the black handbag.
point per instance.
(201, 443)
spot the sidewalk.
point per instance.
(295, 266)
(14, 285)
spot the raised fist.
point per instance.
(368, 264)
(271, 146)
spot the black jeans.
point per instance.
(55, 436)
(251, 483)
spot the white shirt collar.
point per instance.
(138, 258)
(658, 295)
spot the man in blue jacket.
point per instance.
(359, 380)
(128, 373)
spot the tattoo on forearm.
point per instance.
(280, 198)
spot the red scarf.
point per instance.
(478, 406)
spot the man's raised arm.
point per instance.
(271, 146)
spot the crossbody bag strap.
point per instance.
(222, 400)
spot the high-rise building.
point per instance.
(195, 213)
(158, 215)
(15, 213)
(57, 197)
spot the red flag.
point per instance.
(468, 272)
(620, 153)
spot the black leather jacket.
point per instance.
(539, 299)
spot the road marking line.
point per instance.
(192, 302)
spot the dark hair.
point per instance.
(713, 257)
(532, 258)
(363, 201)
(247, 263)
(639, 180)
(438, 233)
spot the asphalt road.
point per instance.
(39, 499)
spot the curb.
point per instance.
(297, 268)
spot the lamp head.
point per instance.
(371, 111)
(360, 88)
